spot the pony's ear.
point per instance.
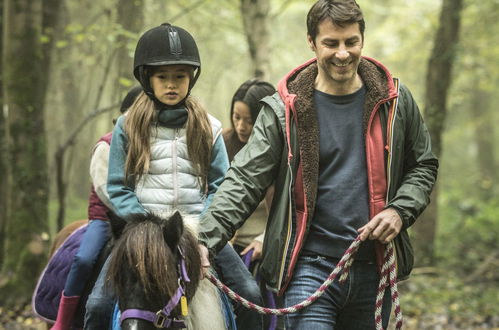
(173, 230)
(117, 224)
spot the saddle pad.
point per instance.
(45, 300)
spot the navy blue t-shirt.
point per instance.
(342, 196)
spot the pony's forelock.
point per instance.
(142, 256)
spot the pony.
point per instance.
(155, 272)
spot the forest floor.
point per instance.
(428, 302)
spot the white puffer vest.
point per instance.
(171, 183)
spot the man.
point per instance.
(349, 154)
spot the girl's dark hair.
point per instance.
(339, 12)
(250, 93)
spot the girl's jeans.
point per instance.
(235, 275)
(91, 245)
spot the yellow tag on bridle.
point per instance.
(183, 306)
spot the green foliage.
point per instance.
(76, 209)
(430, 302)
(468, 232)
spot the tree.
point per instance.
(255, 15)
(3, 154)
(131, 18)
(484, 138)
(438, 81)
(26, 65)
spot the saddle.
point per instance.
(46, 297)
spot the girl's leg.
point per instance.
(100, 303)
(237, 277)
(94, 239)
(92, 243)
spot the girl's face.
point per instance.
(241, 119)
(170, 83)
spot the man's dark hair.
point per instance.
(339, 12)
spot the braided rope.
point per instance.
(343, 266)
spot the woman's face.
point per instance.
(170, 83)
(241, 119)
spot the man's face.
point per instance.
(338, 50)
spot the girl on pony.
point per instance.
(97, 233)
(168, 153)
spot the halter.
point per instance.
(162, 318)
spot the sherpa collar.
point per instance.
(301, 82)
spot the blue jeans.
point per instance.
(236, 276)
(94, 239)
(347, 306)
(100, 303)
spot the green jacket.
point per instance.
(284, 149)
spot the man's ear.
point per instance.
(311, 43)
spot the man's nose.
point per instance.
(342, 54)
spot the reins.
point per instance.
(388, 278)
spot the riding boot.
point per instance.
(65, 313)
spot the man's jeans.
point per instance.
(347, 306)
(236, 276)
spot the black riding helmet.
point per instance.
(165, 45)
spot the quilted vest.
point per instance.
(171, 182)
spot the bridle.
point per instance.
(162, 318)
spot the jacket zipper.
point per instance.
(288, 237)
(391, 126)
(174, 170)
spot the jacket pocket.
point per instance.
(404, 254)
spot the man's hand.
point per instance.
(383, 227)
(205, 261)
(257, 247)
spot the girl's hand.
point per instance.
(257, 247)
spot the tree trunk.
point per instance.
(3, 153)
(438, 81)
(484, 140)
(24, 88)
(255, 15)
(131, 19)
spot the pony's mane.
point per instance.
(142, 255)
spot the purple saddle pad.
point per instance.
(45, 300)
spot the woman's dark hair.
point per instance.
(250, 93)
(339, 12)
(130, 98)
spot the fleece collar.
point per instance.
(297, 89)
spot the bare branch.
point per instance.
(282, 8)
(186, 10)
(59, 160)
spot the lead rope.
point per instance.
(388, 278)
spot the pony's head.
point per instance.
(154, 262)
